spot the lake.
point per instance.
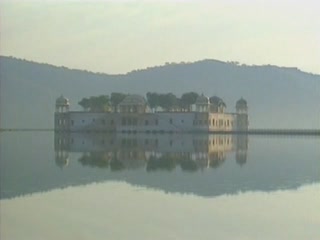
(159, 186)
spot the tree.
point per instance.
(215, 100)
(216, 104)
(115, 99)
(96, 104)
(168, 101)
(187, 99)
(100, 103)
(85, 103)
(153, 100)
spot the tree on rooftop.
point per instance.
(115, 99)
(96, 104)
(187, 99)
(85, 103)
(168, 101)
(153, 100)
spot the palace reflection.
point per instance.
(150, 151)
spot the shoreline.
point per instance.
(315, 132)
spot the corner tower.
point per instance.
(61, 115)
(242, 115)
(62, 104)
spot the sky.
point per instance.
(120, 36)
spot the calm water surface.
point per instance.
(158, 186)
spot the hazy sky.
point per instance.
(119, 36)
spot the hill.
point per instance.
(278, 97)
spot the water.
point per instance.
(159, 186)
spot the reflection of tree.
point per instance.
(62, 158)
(217, 159)
(189, 165)
(101, 160)
(116, 165)
(241, 151)
(163, 163)
(119, 160)
(241, 157)
(62, 162)
(94, 159)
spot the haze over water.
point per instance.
(172, 186)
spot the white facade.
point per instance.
(160, 121)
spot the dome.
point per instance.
(202, 99)
(133, 100)
(62, 101)
(241, 103)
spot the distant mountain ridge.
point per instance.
(278, 97)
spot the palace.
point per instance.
(134, 115)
